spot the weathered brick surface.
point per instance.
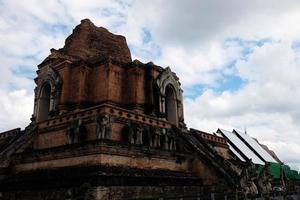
(91, 43)
(85, 86)
(53, 139)
(207, 174)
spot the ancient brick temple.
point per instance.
(107, 127)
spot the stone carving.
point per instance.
(172, 140)
(147, 136)
(76, 132)
(138, 135)
(71, 134)
(68, 194)
(248, 179)
(166, 78)
(150, 136)
(165, 139)
(134, 133)
(53, 78)
(129, 133)
(103, 128)
(157, 137)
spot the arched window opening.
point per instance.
(44, 103)
(171, 105)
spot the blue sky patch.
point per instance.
(148, 54)
(149, 51)
(125, 3)
(146, 35)
(53, 29)
(24, 71)
(229, 79)
(246, 45)
(230, 83)
(296, 46)
(194, 91)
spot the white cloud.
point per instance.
(267, 106)
(16, 108)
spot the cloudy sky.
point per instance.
(238, 61)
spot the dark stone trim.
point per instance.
(97, 176)
(97, 147)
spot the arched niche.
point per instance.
(169, 97)
(47, 95)
(44, 102)
(171, 105)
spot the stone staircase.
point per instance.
(205, 151)
(11, 144)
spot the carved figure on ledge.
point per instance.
(172, 140)
(157, 136)
(103, 128)
(165, 139)
(76, 132)
(147, 136)
(129, 133)
(138, 133)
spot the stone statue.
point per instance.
(103, 128)
(71, 134)
(76, 132)
(68, 195)
(138, 134)
(252, 187)
(165, 139)
(130, 133)
(147, 136)
(80, 131)
(172, 140)
(134, 133)
(157, 137)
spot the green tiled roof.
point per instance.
(274, 170)
(288, 172)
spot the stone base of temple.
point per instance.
(99, 183)
(87, 192)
